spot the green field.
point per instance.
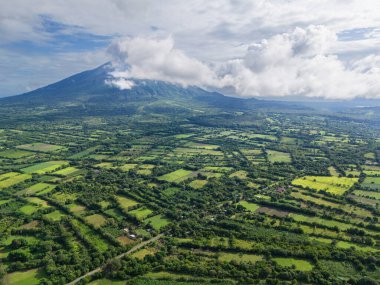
(239, 174)
(41, 147)
(12, 178)
(299, 264)
(249, 206)
(371, 194)
(333, 185)
(96, 220)
(197, 184)
(67, 171)
(278, 156)
(39, 188)
(157, 222)
(177, 176)
(372, 183)
(14, 153)
(140, 213)
(239, 257)
(29, 277)
(44, 167)
(125, 203)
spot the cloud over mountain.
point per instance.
(287, 64)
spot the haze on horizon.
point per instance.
(325, 49)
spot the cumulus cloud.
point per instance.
(299, 63)
(157, 59)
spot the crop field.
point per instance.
(157, 222)
(278, 156)
(44, 167)
(140, 213)
(249, 206)
(39, 188)
(237, 197)
(178, 176)
(197, 184)
(239, 257)
(15, 153)
(41, 147)
(28, 277)
(12, 178)
(125, 203)
(67, 171)
(371, 194)
(333, 185)
(299, 264)
(239, 174)
(371, 183)
(96, 220)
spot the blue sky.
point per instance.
(242, 45)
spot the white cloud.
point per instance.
(299, 63)
(149, 58)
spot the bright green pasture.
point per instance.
(334, 185)
(372, 183)
(239, 257)
(157, 222)
(39, 188)
(55, 216)
(96, 220)
(278, 156)
(242, 174)
(198, 183)
(15, 153)
(41, 147)
(92, 237)
(44, 167)
(125, 203)
(249, 206)
(141, 213)
(178, 175)
(12, 178)
(67, 171)
(299, 264)
(371, 194)
(128, 166)
(28, 277)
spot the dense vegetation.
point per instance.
(250, 197)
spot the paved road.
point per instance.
(133, 249)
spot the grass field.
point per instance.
(128, 166)
(12, 178)
(125, 203)
(15, 153)
(44, 167)
(140, 213)
(55, 216)
(299, 264)
(29, 209)
(39, 188)
(197, 184)
(372, 183)
(41, 147)
(333, 171)
(239, 257)
(249, 206)
(363, 193)
(93, 238)
(157, 222)
(334, 185)
(278, 156)
(144, 252)
(170, 191)
(67, 171)
(106, 282)
(177, 176)
(96, 220)
(239, 174)
(29, 277)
